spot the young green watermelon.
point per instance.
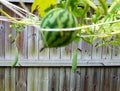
(58, 18)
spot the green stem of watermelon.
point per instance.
(115, 2)
(67, 4)
(104, 6)
(90, 3)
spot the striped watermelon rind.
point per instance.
(58, 18)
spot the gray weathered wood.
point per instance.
(2, 79)
(60, 79)
(106, 52)
(66, 52)
(2, 40)
(33, 43)
(55, 53)
(86, 51)
(21, 79)
(115, 52)
(9, 45)
(64, 81)
(96, 51)
(32, 79)
(10, 79)
(54, 76)
(43, 79)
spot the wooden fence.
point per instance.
(50, 70)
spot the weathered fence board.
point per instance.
(9, 79)
(32, 80)
(2, 79)
(115, 52)
(2, 40)
(32, 43)
(86, 51)
(64, 84)
(96, 51)
(21, 79)
(60, 79)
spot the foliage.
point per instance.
(42, 6)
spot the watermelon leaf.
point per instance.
(42, 5)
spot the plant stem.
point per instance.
(113, 5)
(14, 20)
(8, 16)
(91, 4)
(67, 4)
(104, 5)
(83, 14)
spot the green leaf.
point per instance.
(74, 60)
(42, 5)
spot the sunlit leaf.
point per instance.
(42, 5)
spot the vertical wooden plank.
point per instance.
(2, 79)
(77, 79)
(66, 52)
(43, 53)
(64, 84)
(90, 79)
(22, 44)
(115, 52)
(21, 79)
(106, 52)
(2, 40)
(82, 79)
(54, 76)
(113, 79)
(96, 51)
(9, 46)
(105, 80)
(118, 79)
(33, 43)
(96, 79)
(86, 51)
(10, 79)
(54, 53)
(72, 81)
(32, 79)
(80, 50)
(37, 79)
(43, 82)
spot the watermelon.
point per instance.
(58, 18)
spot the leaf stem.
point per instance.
(113, 5)
(67, 4)
(91, 4)
(8, 16)
(14, 20)
(104, 6)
